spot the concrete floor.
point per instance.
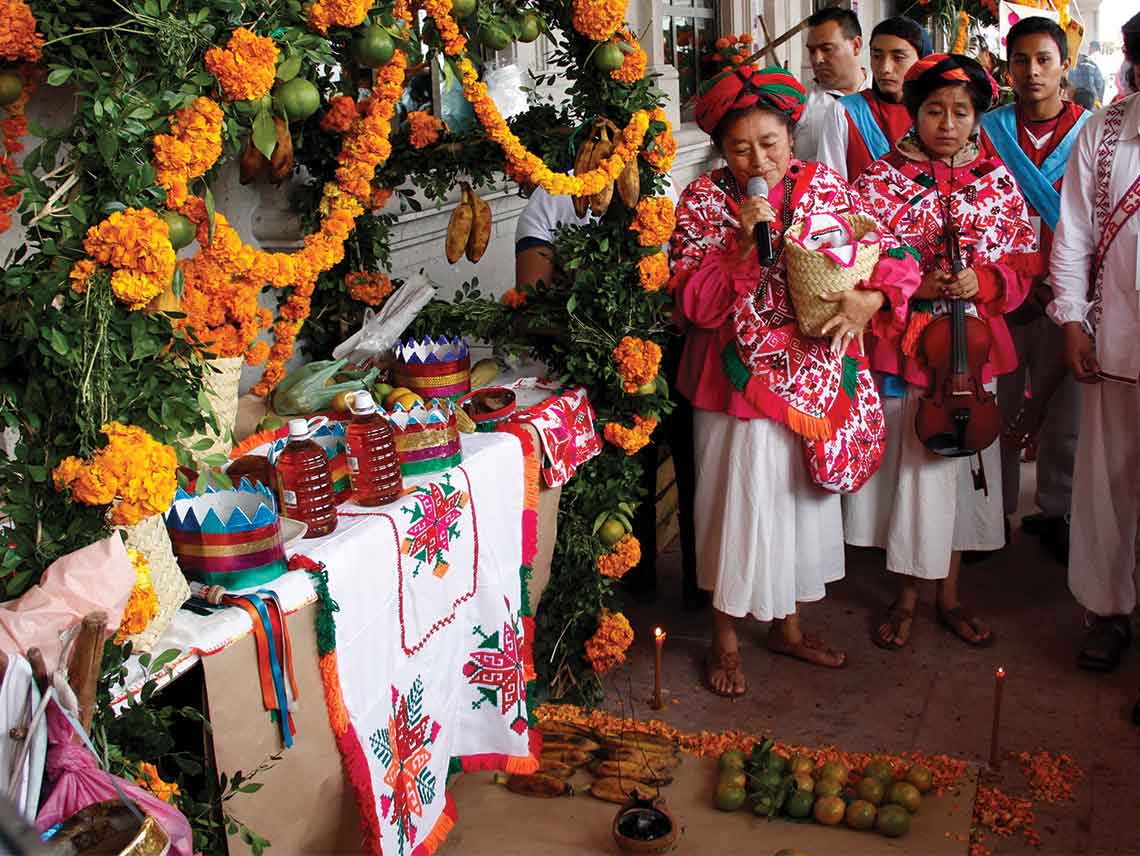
(935, 696)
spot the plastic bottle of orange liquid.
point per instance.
(372, 463)
(304, 481)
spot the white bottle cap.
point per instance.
(361, 403)
(299, 429)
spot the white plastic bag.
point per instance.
(505, 86)
(380, 330)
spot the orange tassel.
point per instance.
(338, 714)
(917, 323)
(439, 833)
(812, 427)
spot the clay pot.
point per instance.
(644, 825)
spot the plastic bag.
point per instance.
(505, 87)
(380, 330)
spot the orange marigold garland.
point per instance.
(633, 66)
(135, 244)
(660, 153)
(425, 129)
(18, 37)
(338, 13)
(638, 362)
(341, 114)
(245, 67)
(13, 128)
(606, 648)
(370, 288)
(189, 150)
(963, 33)
(149, 779)
(653, 272)
(625, 555)
(654, 221)
(142, 605)
(597, 19)
(630, 440)
(133, 468)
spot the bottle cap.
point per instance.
(361, 403)
(299, 429)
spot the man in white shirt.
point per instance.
(834, 41)
(1099, 231)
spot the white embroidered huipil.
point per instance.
(1106, 477)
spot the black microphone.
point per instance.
(761, 232)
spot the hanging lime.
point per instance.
(528, 28)
(462, 8)
(373, 47)
(10, 87)
(494, 37)
(182, 231)
(298, 99)
(608, 57)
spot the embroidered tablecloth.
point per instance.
(431, 652)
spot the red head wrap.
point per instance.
(746, 86)
(955, 68)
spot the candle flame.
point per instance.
(658, 633)
(1000, 672)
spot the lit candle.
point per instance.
(659, 643)
(999, 682)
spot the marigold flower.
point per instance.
(338, 13)
(661, 151)
(653, 271)
(513, 298)
(142, 605)
(150, 780)
(606, 648)
(136, 244)
(630, 440)
(638, 362)
(370, 288)
(625, 555)
(246, 67)
(654, 221)
(633, 66)
(341, 114)
(425, 129)
(18, 37)
(80, 273)
(597, 19)
(722, 42)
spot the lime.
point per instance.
(608, 57)
(271, 422)
(528, 27)
(802, 764)
(893, 821)
(834, 770)
(804, 782)
(381, 391)
(767, 780)
(373, 47)
(182, 231)
(733, 778)
(870, 789)
(494, 37)
(920, 777)
(777, 763)
(462, 8)
(828, 788)
(731, 759)
(765, 805)
(906, 795)
(881, 770)
(298, 99)
(10, 87)
(648, 388)
(799, 804)
(609, 534)
(829, 810)
(728, 797)
(861, 815)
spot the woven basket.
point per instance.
(812, 274)
(150, 538)
(221, 387)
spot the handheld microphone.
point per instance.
(761, 232)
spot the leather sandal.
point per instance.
(729, 663)
(810, 650)
(893, 616)
(953, 619)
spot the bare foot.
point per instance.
(786, 638)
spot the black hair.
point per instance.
(979, 88)
(727, 120)
(1132, 47)
(847, 20)
(1085, 97)
(1033, 26)
(908, 30)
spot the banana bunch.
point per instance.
(254, 166)
(600, 142)
(469, 230)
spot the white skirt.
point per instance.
(920, 506)
(767, 536)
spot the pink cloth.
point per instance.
(98, 577)
(708, 283)
(76, 782)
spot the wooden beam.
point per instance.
(86, 658)
(772, 45)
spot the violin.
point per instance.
(957, 417)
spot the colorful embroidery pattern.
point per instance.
(498, 669)
(434, 512)
(404, 748)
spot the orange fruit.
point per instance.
(920, 777)
(829, 810)
(340, 401)
(391, 398)
(892, 821)
(828, 788)
(861, 815)
(298, 98)
(409, 400)
(799, 804)
(834, 770)
(802, 764)
(373, 47)
(734, 778)
(730, 758)
(906, 795)
(729, 797)
(804, 782)
(11, 85)
(611, 532)
(870, 789)
(182, 231)
(608, 56)
(881, 770)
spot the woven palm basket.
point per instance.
(221, 388)
(150, 538)
(812, 274)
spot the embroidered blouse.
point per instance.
(710, 278)
(907, 190)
